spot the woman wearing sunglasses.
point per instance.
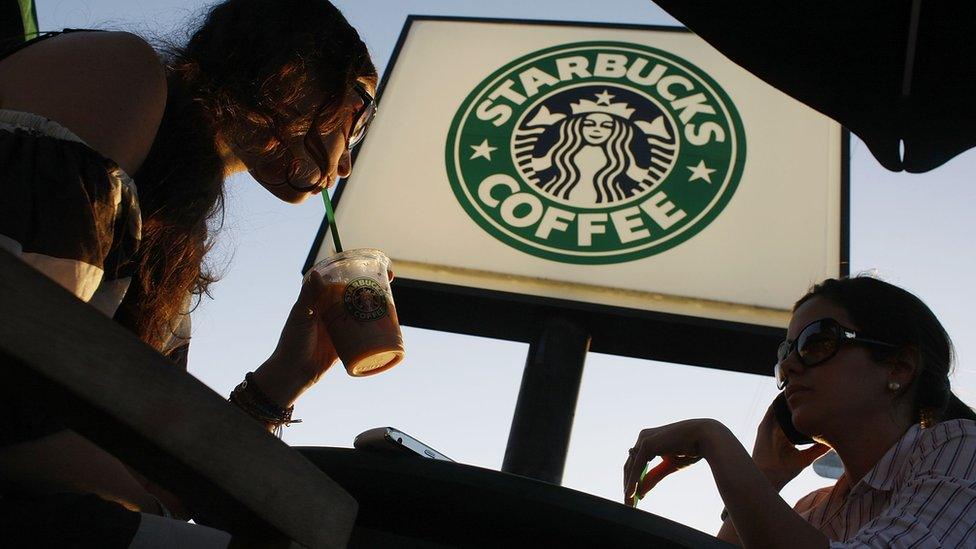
(113, 159)
(865, 371)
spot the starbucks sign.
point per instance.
(595, 152)
(580, 167)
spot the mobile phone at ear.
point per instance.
(781, 409)
(388, 440)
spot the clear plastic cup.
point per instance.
(358, 311)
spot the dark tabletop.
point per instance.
(407, 501)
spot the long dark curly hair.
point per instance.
(240, 80)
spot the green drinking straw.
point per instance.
(644, 474)
(331, 216)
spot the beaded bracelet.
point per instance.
(249, 398)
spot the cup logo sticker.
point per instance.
(365, 299)
(595, 152)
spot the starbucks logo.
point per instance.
(595, 152)
(365, 299)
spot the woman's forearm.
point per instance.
(273, 389)
(67, 462)
(727, 531)
(761, 518)
(284, 383)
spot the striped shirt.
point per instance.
(920, 494)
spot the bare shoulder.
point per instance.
(109, 88)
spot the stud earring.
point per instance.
(894, 385)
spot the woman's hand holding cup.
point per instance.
(358, 310)
(304, 351)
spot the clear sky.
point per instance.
(458, 393)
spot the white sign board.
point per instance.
(619, 166)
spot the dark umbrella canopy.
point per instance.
(891, 71)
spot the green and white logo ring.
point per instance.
(595, 152)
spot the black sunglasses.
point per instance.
(817, 343)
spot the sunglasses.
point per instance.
(817, 343)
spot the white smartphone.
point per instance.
(393, 441)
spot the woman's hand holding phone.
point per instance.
(776, 456)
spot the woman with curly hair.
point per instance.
(112, 165)
(864, 369)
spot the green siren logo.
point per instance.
(595, 152)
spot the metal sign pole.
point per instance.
(543, 421)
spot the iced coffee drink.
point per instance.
(358, 311)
